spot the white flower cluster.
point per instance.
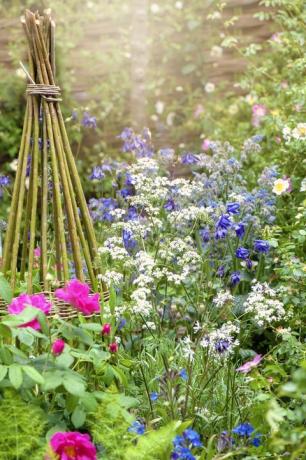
(263, 305)
(297, 133)
(189, 214)
(223, 298)
(141, 305)
(111, 278)
(222, 342)
(114, 247)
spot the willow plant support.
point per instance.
(48, 206)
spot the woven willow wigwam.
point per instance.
(48, 208)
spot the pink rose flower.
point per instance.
(73, 446)
(246, 367)
(57, 347)
(106, 329)
(38, 301)
(77, 294)
(113, 347)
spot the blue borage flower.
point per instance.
(137, 428)
(154, 396)
(222, 345)
(246, 430)
(261, 246)
(183, 374)
(184, 443)
(242, 253)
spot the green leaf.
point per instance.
(15, 375)
(74, 385)
(5, 290)
(64, 360)
(89, 402)
(95, 327)
(3, 372)
(25, 336)
(78, 417)
(52, 380)
(33, 374)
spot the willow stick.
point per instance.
(24, 254)
(35, 160)
(44, 208)
(21, 192)
(10, 232)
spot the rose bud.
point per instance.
(106, 329)
(113, 347)
(58, 347)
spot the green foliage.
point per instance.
(155, 445)
(109, 424)
(22, 428)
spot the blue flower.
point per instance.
(89, 121)
(97, 173)
(121, 324)
(4, 181)
(258, 138)
(233, 208)
(242, 253)
(261, 246)
(170, 205)
(128, 240)
(127, 191)
(224, 222)
(183, 374)
(244, 429)
(132, 213)
(256, 441)
(222, 345)
(154, 396)
(221, 271)
(235, 278)
(193, 437)
(189, 158)
(249, 264)
(220, 233)
(240, 229)
(204, 234)
(182, 453)
(137, 428)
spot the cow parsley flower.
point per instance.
(263, 305)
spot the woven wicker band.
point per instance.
(50, 93)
